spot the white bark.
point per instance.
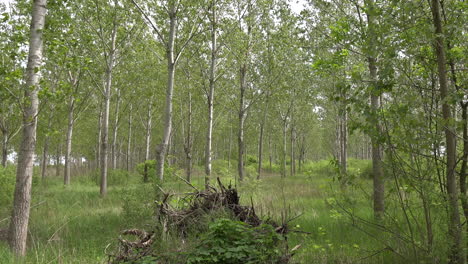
(22, 197)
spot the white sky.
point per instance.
(296, 5)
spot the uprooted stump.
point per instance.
(200, 203)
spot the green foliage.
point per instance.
(151, 167)
(250, 160)
(169, 172)
(7, 186)
(221, 168)
(233, 242)
(138, 203)
(118, 177)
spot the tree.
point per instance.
(22, 198)
(454, 225)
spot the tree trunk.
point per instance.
(45, 151)
(260, 151)
(293, 154)
(377, 169)
(98, 148)
(230, 146)
(115, 130)
(344, 142)
(22, 197)
(148, 127)
(5, 148)
(171, 65)
(209, 133)
(129, 138)
(283, 162)
(454, 226)
(240, 136)
(105, 118)
(188, 145)
(68, 141)
(58, 159)
(464, 164)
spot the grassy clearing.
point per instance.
(74, 225)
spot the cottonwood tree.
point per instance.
(22, 197)
(174, 23)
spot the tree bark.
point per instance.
(454, 226)
(129, 138)
(188, 145)
(148, 127)
(209, 132)
(377, 169)
(5, 143)
(45, 151)
(22, 197)
(240, 135)
(260, 151)
(283, 162)
(171, 65)
(68, 141)
(115, 130)
(105, 119)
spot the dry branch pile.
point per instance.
(171, 219)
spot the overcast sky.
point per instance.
(296, 5)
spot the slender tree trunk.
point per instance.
(58, 159)
(260, 151)
(188, 145)
(22, 197)
(464, 164)
(454, 226)
(260, 140)
(68, 141)
(45, 151)
(270, 152)
(230, 146)
(115, 128)
(149, 119)
(379, 187)
(283, 162)
(240, 136)
(293, 150)
(171, 65)
(344, 142)
(105, 118)
(209, 133)
(98, 148)
(5, 148)
(129, 138)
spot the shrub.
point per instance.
(151, 168)
(233, 242)
(250, 160)
(169, 172)
(118, 177)
(138, 203)
(221, 168)
(7, 186)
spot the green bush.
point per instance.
(7, 186)
(169, 172)
(250, 160)
(138, 203)
(221, 168)
(118, 177)
(151, 167)
(233, 242)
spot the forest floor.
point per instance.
(74, 225)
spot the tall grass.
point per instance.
(74, 225)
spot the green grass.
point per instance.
(74, 225)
